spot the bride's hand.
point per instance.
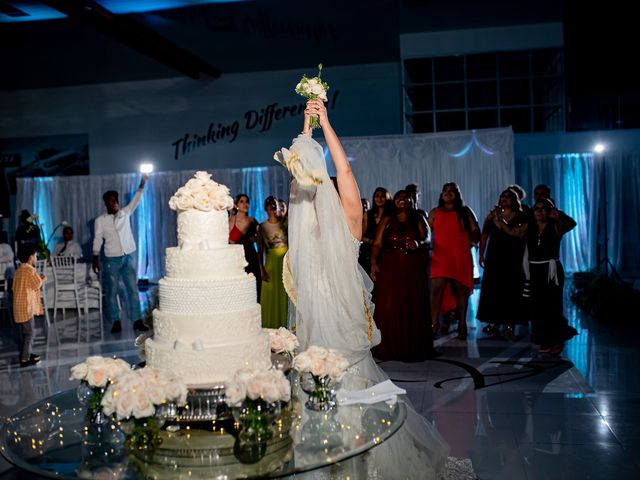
(316, 108)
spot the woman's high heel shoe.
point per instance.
(435, 327)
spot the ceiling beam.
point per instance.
(135, 35)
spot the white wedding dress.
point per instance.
(331, 297)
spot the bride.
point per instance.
(331, 294)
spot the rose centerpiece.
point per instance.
(283, 344)
(320, 371)
(134, 396)
(96, 373)
(255, 398)
(201, 193)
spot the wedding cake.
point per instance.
(208, 323)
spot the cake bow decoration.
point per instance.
(182, 345)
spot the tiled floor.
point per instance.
(515, 414)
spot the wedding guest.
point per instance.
(541, 192)
(402, 285)
(113, 231)
(68, 247)
(282, 210)
(272, 246)
(455, 230)
(382, 207)
(243, 230)
(27, 233)
(6, 252)
(550, 328)
(26, 301)
(414, 192)
(500, 255)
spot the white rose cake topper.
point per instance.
(203, 194)
(312, 88)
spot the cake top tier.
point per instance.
(201, 193)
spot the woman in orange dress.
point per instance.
(454, 230)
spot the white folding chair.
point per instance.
(41, 266)
(65, 280)
(93, 293)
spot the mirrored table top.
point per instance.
(53, 439)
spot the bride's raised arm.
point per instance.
(347, 186)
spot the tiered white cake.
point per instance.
(208, 325)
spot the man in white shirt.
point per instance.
(113, 229)
(69, 247)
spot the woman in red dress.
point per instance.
(243, 231)
(455, 230)
(398, 268)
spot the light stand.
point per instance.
(604, 264)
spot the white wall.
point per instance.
(129, 122)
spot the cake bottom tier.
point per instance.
(213, 365)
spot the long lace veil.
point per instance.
(330, 291)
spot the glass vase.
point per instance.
(255, 419)
(143, 434)
(91, 398)
(320, 391)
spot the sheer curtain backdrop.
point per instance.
(580, 184)
(481, 162)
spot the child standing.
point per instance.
(26, 301)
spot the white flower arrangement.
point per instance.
(201, 193)
(282, 340)
(321, 362)
(136, 393)
(313, 88)
(268, 385)
(99, 371)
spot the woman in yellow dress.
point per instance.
(272, 245)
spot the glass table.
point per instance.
(52, 439)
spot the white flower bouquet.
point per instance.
(320, 370)
(282, 340)
(312, 88)
(99, 371)
(201, 193)
(270, 386)
(321, 362)
(255, 397)
(95, 374)
(136, 393)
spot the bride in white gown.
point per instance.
(332, 294)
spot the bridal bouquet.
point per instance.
(312, 88)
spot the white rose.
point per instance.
(254, 389)
(235, 393)
(271, 392)
(97, 376)
(143, 407)
(202, 202)
(184, 202)
(302, 363)
(79, 371)
(204, 177)
(194, 185)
